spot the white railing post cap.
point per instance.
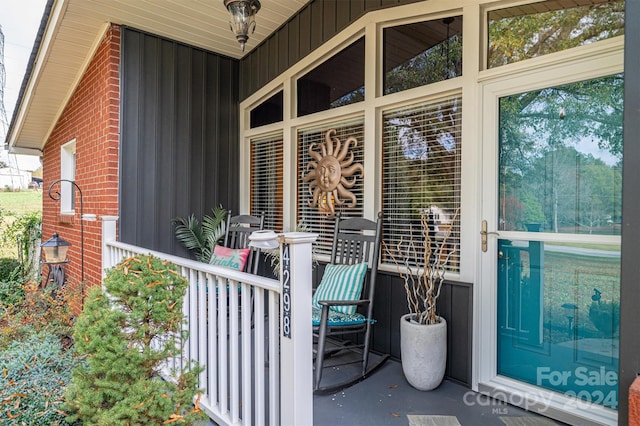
(298, 237)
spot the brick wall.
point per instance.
(91, 117)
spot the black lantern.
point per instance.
(55, 249)
(243, 18)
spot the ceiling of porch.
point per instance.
(74, 28)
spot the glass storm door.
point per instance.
(558, 247)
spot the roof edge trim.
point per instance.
(27, 82)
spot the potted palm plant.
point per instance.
(201, 240)
(423, 333)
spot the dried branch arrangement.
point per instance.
(422, 265)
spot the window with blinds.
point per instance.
(421, 176)
(314, 216)
(266, 180)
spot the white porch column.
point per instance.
(108, 234)
(296, 340)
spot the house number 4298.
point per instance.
(286, 292)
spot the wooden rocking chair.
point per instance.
(343, 302)
(237, 237)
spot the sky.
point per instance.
(20, 20)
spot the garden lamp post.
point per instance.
(56, 196)
(55, 256)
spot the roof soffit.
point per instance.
(75, 28)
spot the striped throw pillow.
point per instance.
(341, 282)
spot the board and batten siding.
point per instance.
(179, 137)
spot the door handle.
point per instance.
(484, 234)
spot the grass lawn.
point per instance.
(17, 203)
(607, 247)
(12, 205)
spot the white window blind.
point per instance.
(310, 217)
(421, 174)
(266, 180)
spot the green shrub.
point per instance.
(35, 373)
(126, 338)
(11, 283)
(11, 293)
(38, 310)
(10, 269)
(25, 231)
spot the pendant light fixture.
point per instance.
(243, 18)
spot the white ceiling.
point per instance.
(76, 26)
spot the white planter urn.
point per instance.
(423, 350)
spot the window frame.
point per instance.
(474, 30)
(479, 123)
(68, 164)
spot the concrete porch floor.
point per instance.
(386, 398)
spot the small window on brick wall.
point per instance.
(67, 172)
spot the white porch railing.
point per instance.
(241, 347)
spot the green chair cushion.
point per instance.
(341, 282)
(336, 318)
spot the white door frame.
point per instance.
(578, 64)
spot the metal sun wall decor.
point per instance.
(329, 171)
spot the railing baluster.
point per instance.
(192, 322)
(223, 371)
(186, 308)
(259, 356)
(212, 360)
(202, 326)
(246, 309)
(274, 359)
(234, 351)
(229, 335)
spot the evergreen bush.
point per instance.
(127, 334)
(10, 269)
(11, 293)
(35, 373)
